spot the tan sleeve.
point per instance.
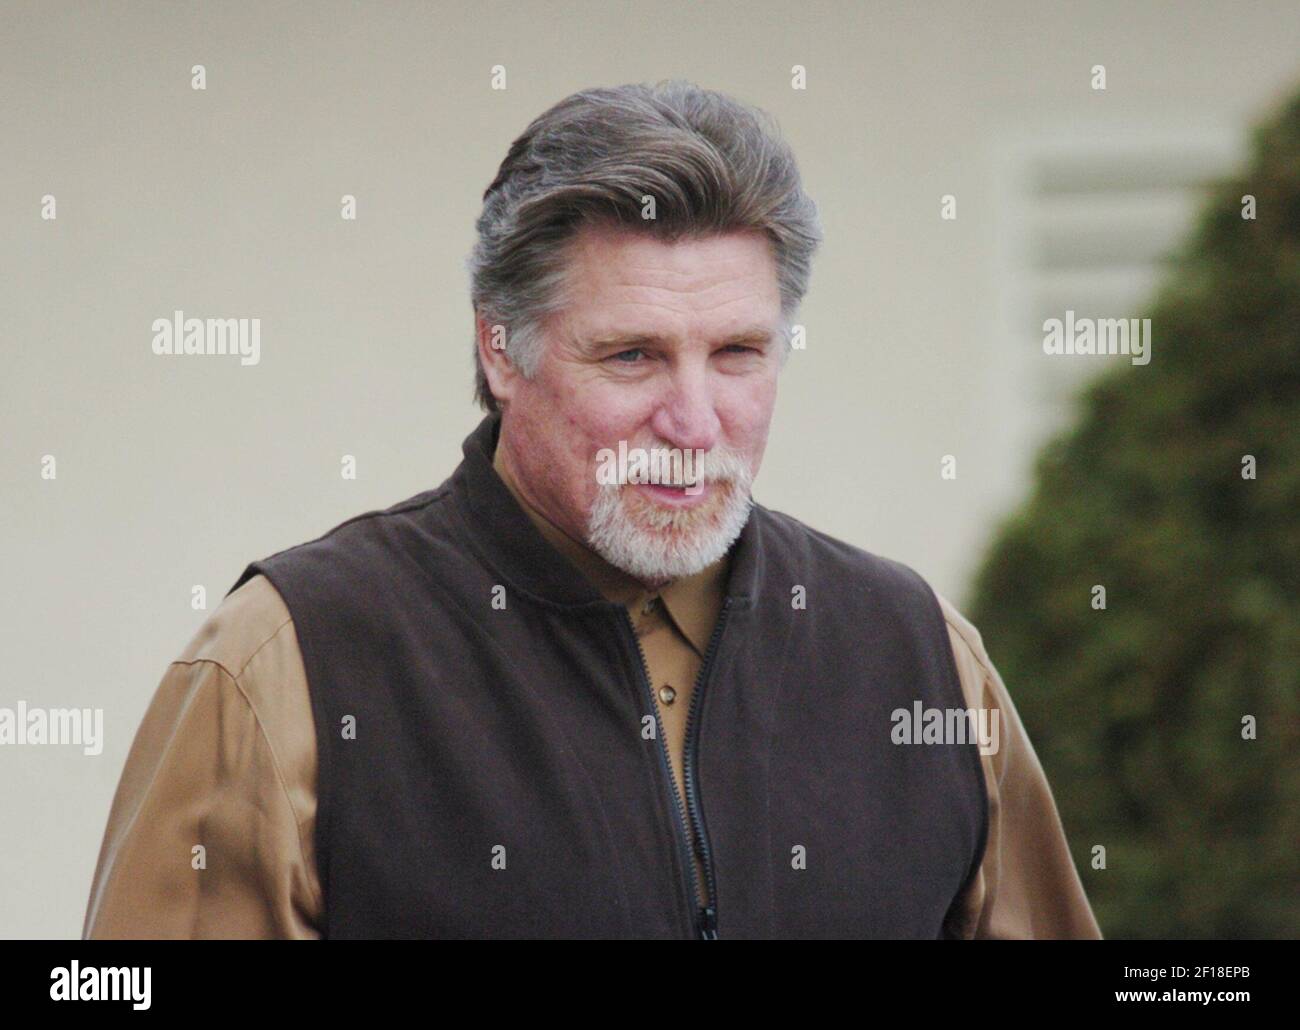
(1027, 886)
(210, 834)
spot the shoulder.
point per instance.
(330, 567)
(236, 690)
(246, 661)
(248, 620)
(249, 645)
(980, 680)
(854, 574)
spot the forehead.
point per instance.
(620, 273)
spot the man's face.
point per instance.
(660, 346)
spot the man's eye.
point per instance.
(622, 357)
(739, 347)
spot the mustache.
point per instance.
(720, 465)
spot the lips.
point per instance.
(678, 496)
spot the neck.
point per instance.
(610, 580)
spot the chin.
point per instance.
(658, 543)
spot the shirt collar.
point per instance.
(692, 601)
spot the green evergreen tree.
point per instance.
(1137, 710)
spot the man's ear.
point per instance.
(502, 376)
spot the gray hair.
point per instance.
(712, 164)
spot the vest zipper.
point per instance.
(709, 915)
(706, 917)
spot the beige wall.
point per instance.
(224, 203)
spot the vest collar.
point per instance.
(505, 537)
(691, 603)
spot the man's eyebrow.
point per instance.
(752, 334)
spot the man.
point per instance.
(541, 701)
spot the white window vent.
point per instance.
(1086, 220)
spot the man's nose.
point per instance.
(685, 417)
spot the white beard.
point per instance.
(656, 543)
